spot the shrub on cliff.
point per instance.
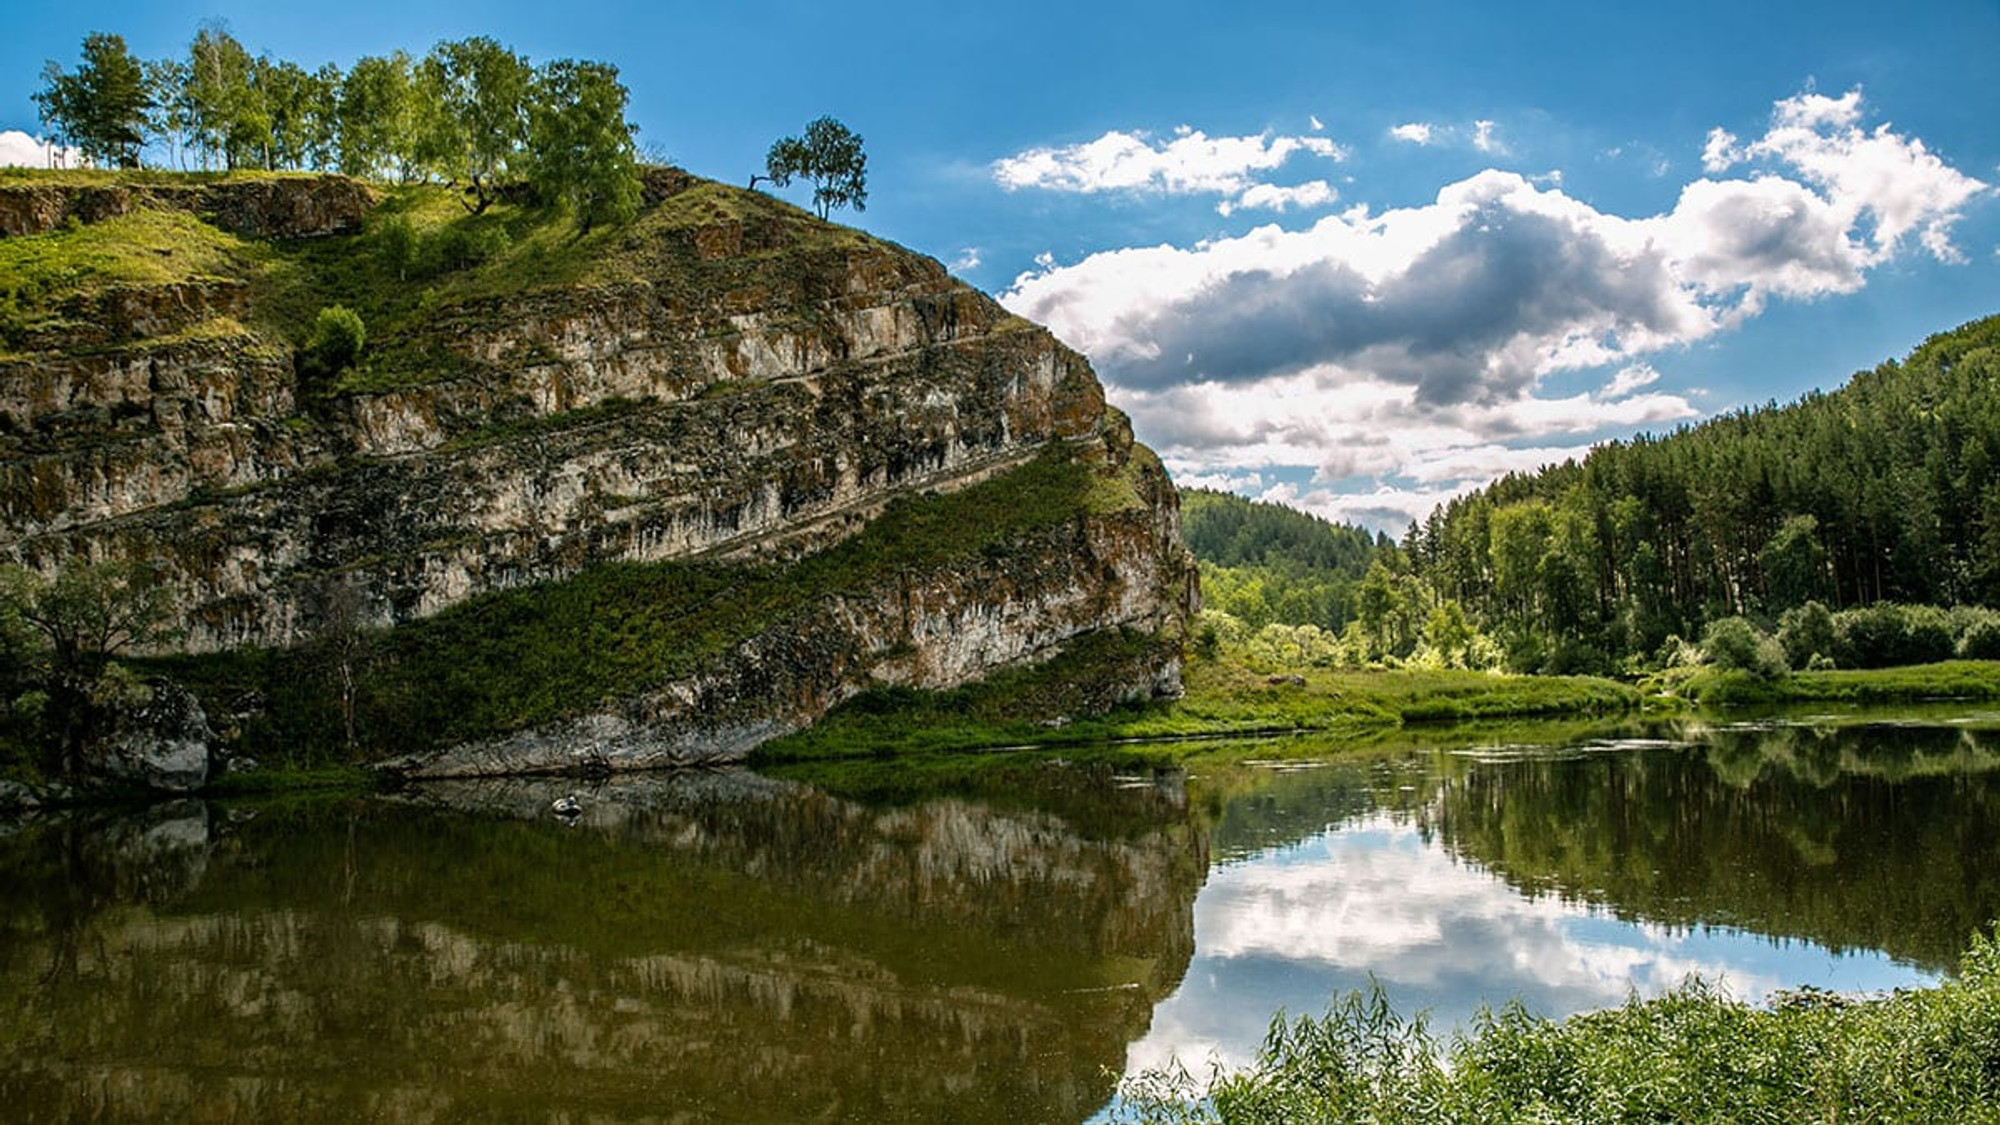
(337, 338)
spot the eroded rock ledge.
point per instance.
(756, 385)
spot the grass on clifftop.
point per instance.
(420, 261)
(47, 280)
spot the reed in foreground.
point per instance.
(1694, 1054)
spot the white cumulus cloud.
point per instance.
(1272, 197)
(1893, 182)
(1411, 345)
(1415, 132)
(1192, 162)
(20, 150)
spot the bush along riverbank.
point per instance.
(1694, 1054)
(1963, 680)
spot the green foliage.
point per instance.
(579, 145)
(88, 612)
(828, 156)
(223, 117)
(1794, 563)
(471, 112)
(1231, 531)
(1952, 679)
(1268, 564)
(1693, 1054)
(1222, 696)
(1888, 635)
(376, 114)
(57, 638)
(1981, 639)
(1293, 591)
(1886, 490)
(337, 339)
(1733, 644)
(479, 129)
(102, 108)
(1806, 633)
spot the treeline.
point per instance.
(1281, 588)
(1265, 563)
(471, 112)
(1885, 491)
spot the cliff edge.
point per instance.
(648, 495)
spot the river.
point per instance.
(999, 939)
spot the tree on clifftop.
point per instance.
(480, 89)
(830, 157)
(579, 144)
(101, 109)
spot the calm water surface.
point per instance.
(998, 945)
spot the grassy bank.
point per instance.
(1969, 680)
(1694, 1054)
(1223, 699)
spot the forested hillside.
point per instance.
(1263, 563)
(1887, 489)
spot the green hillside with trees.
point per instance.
(1858, 527)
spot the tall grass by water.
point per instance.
(1693, 1054)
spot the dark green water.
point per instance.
(1000, 945)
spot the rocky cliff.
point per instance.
(726, 382)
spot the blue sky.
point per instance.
(1354, 258)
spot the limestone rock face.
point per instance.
(263, 206)
(744, 391)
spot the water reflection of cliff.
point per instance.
(1878, 837)
(707, 947)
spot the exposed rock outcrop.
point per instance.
(753, 385)
(259, 206)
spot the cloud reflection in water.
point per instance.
(1293, 927)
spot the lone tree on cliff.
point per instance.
(830, 157)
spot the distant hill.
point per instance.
(1887, 489)
(1266, 563)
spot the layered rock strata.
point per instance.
(749, 392)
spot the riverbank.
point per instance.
(1027, 708)
(1044, 709)
(1951, 680)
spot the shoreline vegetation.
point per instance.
(1693, 1054)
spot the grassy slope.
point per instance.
(420, 258)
